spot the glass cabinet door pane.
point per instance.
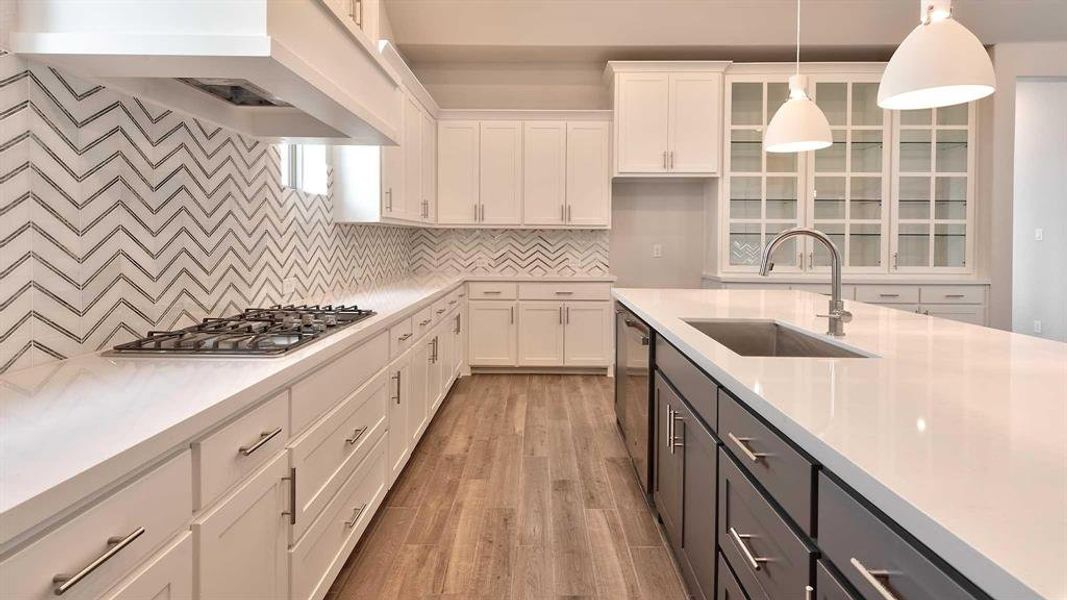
(786, 254)
(746, 151)
(913, 245)
(865, 198)
(745, 244)
(950, 244)
(746, 195)
(781, 197)
(832, 98)
(953, 115)
(914, 198)
(865, 245)
(866, 151)
(829, 198)
(836, 233)
(832, 159)
(951, 151)
(917, 117)
(915, 151)
(778, 162)
(865, 109)
(746, 103)
(950, 198)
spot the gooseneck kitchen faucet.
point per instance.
(838, 316)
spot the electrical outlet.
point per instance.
(657, 250)
(1037, 326)
(1039, 234)
(289, 285)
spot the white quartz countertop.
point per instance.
(70, 428)
(957, 432)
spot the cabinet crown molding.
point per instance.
(475, 114)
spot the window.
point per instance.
(304, 167)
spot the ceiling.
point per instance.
(480, 31)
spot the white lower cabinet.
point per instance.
(973, 314)
(241, 542)
(588, 334)
(492, 333)
(418, 399)
(540, 334)
(398, 444)
(166, 576)
(459, 346)
(435, 374)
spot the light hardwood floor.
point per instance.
(521, 488)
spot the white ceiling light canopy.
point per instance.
(940, 63)
(799, 125)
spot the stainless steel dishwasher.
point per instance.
(633, 390)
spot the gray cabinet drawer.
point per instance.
(827, 586)
(728, 587)
(865, 549)
(786, 474)
(769, 559)
(697, 388)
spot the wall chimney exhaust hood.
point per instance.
(284, 70)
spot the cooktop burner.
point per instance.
(255, 332)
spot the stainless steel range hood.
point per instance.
(293, 70)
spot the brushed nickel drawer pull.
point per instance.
(954, 295)
(440, 311)
(742, 444)
(115, 545)
(264, 437)
(425, 323)
(356, 512)
(754, 561)
(670, 427)
(888, 295)
(356, 434)
(405, 337)
(452, 302)
(564, 293)
(291, 513)
(872, 578)
(492, 292)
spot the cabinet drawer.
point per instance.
(952, 294)
(486, 290)
(167, 575)
(729, 588)
(863, 547)
(143, 515)
(565, 291)
(317, 558)
(401, 337)
(770, 561)
(697, 388)
(828, 586)
(439, 309)
(779, 468)
(233, 452)
(883, 294)
(322, 390)
(453, 298)
(422, 321)
(325, 455)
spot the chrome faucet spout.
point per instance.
(838, 316)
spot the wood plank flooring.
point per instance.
(520, 489)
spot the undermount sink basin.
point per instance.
(751, 337)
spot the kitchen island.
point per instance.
(952, 432)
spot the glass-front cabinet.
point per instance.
(893, 192)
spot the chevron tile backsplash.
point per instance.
(510, 251)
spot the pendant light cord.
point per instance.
(798, 37)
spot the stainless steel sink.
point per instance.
(752, 337)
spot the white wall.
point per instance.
(1039, 288)
(666, 212)
(525, 85)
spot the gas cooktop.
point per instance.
(255, 332)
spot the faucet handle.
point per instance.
(840, 314)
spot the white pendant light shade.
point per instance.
(799, 125)
(940, 63)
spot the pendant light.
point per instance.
(799, 125)
(940, 63)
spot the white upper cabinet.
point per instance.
(668, 118)
(500, 173)
(458, 167)
(545, 172)
(429, 166)
(414, 206)
(588, 173)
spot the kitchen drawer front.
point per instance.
(752, 532)
(697, 388)
(439, 309)
(422, 322)
(317, 558)
(565, 291)
(861, 545)
(728, 587)
(779, 468)
(401, 337)
(316, 394)
(453, 299)
(828, 586)
(167, 575)
(325, 455)
(157, 505)
(492, 290)
(883, 294)
(952, 294)
(232, 453)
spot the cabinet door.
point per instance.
(491, 333)
(641, 115)
(588, 342)
(435, 374)
(500, 169)
(241, 543)
(973, 314)
(699, 501)
(419, 394)
(668, 489)
(540, 333)
(459, 349)
(588, 173)
(544, 174)
(447, 349)
(392, 188)
(413, 205)
(694, 123)
(429, 166)
(167, 575)
(457, 171)
(398, 443)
